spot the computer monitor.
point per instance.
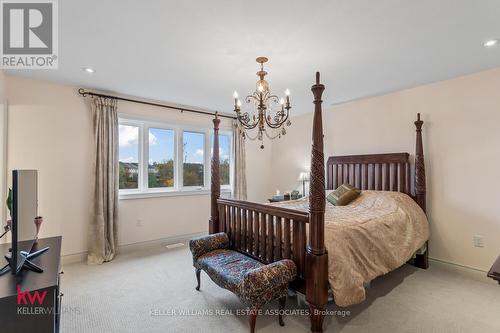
(24, 211)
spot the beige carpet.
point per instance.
(147, 290)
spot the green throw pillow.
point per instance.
(343, 195)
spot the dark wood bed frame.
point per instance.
(268, 233)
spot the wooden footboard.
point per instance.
(266, 233)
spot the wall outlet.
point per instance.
(478, 241)
(138, 223)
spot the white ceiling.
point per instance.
(198, 52)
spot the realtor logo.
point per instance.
(29, 34)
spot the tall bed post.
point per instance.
(316, 255)
(421, 260)
(420, 187)
(213, 225)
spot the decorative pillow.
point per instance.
(343, 195)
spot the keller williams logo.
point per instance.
(25, 297)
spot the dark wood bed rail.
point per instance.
(267, 233)
(288, 213)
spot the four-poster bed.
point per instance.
(269, 233)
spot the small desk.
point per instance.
(494, 272)
(36, 317)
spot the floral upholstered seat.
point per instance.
(253, 282)
(227, 268)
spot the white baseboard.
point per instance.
(132, 247)
(73, 258)
(471, 272)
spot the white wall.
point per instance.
(259, 176)
(462, 151)
(50, 129)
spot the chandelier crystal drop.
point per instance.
(266, 112)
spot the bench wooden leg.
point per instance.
(252, 318)
(198, 271)
(282, 307)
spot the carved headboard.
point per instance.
(382, 172)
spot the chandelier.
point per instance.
(265, 109)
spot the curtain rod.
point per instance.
(84, 93)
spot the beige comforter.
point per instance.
(373, 235)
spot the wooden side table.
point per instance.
(19, 315)
(494, 272)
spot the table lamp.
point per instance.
(303, 177)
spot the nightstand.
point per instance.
(285, 197)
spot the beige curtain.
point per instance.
(103, 226)
(240, 171)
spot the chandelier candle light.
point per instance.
(268, 110)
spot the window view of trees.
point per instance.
(193, 162)
(128, 175)
(128, 157)
(148, 157)
(224, 157)
(224, 172)
(161, 174)
(193, 174)
(161, 158)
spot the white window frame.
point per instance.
(143, 191)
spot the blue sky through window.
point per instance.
(193, 147)
(224, 146)
(129, 144)
(161, 145)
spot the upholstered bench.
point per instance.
(252, 281)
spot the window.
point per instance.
(193, 151)
(160, 158)
(128, 156)
(224, 157)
